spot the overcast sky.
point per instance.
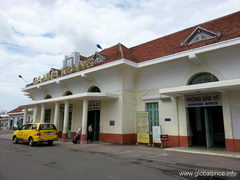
(36, 34)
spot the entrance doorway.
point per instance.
(11, 124)
(19, 122)
(94, 118)
(206, 126)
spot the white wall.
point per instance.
(162, 75)
(76, 117)
(129, 106)
(224, 63)
(132, 84)
(107, 80)
(233, 129)
(111, 110)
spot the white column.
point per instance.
(84, 117)
(42, 117)
(73, 118)
(183, 118)
(66, 118)
(56, 114)
(227, 116)
(35, 113)
(25, 115)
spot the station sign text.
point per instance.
(203, 100)
(55, 73)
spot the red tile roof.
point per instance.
(228, 27)
(17, 110)
(4, 116)
(115, 52)
(83, 57)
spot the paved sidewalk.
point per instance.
(205, 151)
(6, 134)
(136, 151)
(142, 150)
(139, 150)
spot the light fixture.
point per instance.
(22, 78)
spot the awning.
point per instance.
(219, 86)
(74, 98)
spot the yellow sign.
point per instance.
(142, 127)
(143, 138)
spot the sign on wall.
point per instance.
(94, 105)
(164, 137)
(203, 100)
(68, 69)
(156, 130)
(142, 127)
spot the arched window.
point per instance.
(48, 97)
(202, 78)
(94, 89)
(67, 93)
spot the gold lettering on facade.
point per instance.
(64, 71)
(54, 74)
(74, 68)
(34, 80)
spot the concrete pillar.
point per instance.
(25, 115)
(65, 120)
(73, 133)
(42, 117)
(84, 121)
(35, 109)
(227, 121)
(183, 121)
(57, 114)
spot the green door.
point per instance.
(20, 123)
(152, 109)
(47, 117)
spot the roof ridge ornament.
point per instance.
(120, 49)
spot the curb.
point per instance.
(205, 153)
(7, 136)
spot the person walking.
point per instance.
(78, 136)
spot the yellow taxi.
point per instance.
(33, 133)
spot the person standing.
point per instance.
(90, 132)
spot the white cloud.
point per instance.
(70, 25)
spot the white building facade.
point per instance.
(3, 121)
(189, 82)
(16, 117)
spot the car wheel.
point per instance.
(15, 140)
(30, 142)
(50, 143)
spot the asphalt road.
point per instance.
(65, 161)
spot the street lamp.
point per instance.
(98, 46)
(22, 78)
